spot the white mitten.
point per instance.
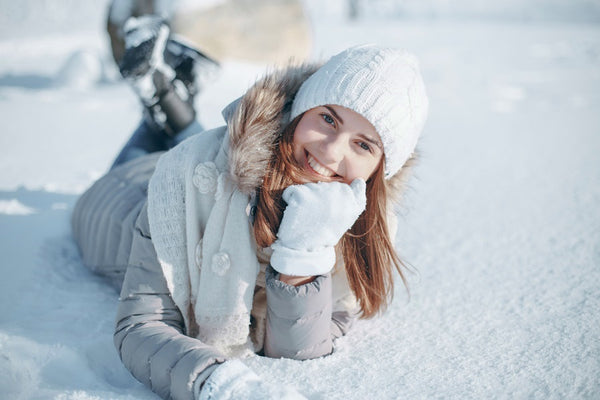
(232, 380)
(315, 219)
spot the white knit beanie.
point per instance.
(383, 85)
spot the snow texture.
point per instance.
(502, 221)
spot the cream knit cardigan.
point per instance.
(200, 227)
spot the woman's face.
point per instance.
(335, 143)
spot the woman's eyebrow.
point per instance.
(371, 140)
(335, 115)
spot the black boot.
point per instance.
(163, 71)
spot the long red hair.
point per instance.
(368, 251)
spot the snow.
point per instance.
(501, 224)
(15, 207)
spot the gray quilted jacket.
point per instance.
(110, 225)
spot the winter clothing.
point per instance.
(384, 85)
(104, 217)
(146, 139)
(163, 71)
(156, 325)
(195, 279)
(201, 230)
(313, 223)
(110, 224)
(150, 334)
(154, 343)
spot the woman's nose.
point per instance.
(334, 149)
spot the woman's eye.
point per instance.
(329, 119)
(364, 146)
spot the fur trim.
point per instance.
(397, 184)
(260, 118)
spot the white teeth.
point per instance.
(321, 170)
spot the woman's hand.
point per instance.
(315, 219)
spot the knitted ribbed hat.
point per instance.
(384, 85)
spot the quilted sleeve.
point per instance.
(300, 322)
(150, 333)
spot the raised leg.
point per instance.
(163, 71)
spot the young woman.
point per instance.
(269, 235)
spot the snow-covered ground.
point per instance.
(502, 222)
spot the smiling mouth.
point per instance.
(318, 168)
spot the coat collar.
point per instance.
(257, 119)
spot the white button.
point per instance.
(205, 177)
(220, 263)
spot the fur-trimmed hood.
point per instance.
(258, 118)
